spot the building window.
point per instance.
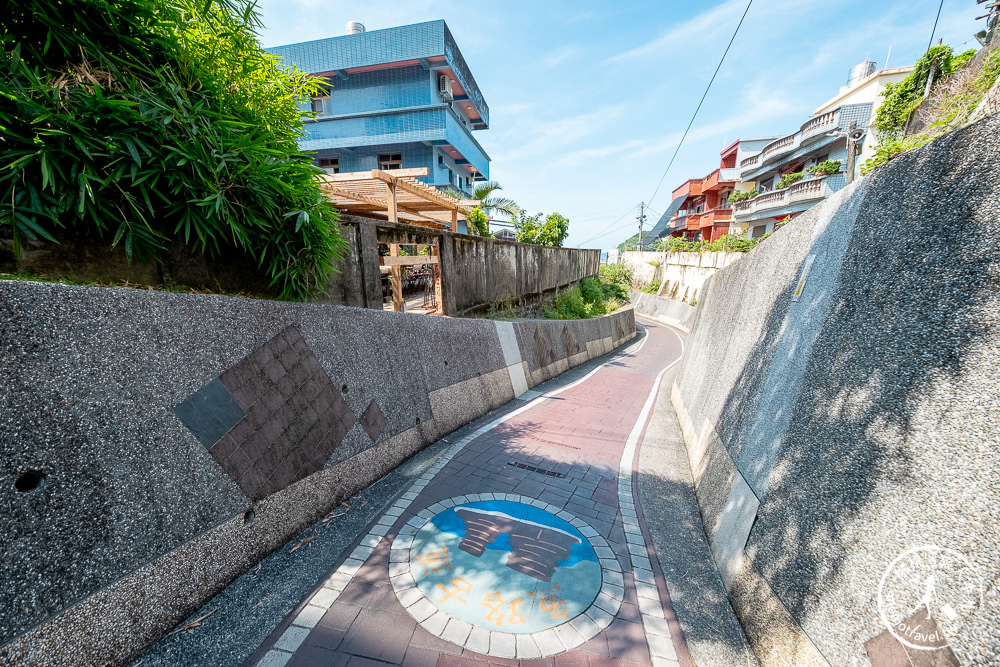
(390, 161)
(330, 164)
(441, 160)
(320, 105)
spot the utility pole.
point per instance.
(852, 150)
(642, 218)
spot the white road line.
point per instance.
(335, 584)
(658, 637)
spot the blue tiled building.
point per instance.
(397, 98)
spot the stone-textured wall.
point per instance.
(154, 446)
(830, 434)
(681, 274)
(669, 311)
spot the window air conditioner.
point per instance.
(444, 88)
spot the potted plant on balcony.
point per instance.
(742, 196)
(788, 179)
(825, 168)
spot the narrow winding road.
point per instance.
(522, 544)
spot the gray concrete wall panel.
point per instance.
(862, 416)
(90, 381)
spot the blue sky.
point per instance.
(588, 100)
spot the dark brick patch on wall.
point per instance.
(295, 416)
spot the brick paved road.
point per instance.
(570, 452)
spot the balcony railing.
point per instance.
(808, 190)
(779, 146)
(729, 174)
(771, 199)
(821, 123)
(748, 162)
(710, 181)
(815, 188)
(715, 216)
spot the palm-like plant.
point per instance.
(493, 204)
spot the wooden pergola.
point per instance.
(396, 195)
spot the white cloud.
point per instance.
(702, 27)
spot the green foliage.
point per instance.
(673, 244)
(151, 122)
(959, 61)
(478, 223)
(631, 243)
(590, 290)
(827, 167)
(505, 309)
(532, 229)
(617, 274)
(890, 148)
(956, 97)
(614, 292)
(491, 203)
(740, 195)
(788, 179)
(900, 99)
(590, 298)
(725, 243)
(731, 243)
(955, 102)
(652, 288)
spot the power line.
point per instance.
(934, 29)
(609, 231)
(704, 95)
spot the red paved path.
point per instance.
(579, 434)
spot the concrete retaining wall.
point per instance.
(681, 274)
(829, 435)
(675, 313)
(477, 272)
(155, 446)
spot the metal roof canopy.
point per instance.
(397, 195)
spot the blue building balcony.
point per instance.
(429, 45)
(401, 94)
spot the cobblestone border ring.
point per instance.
(568, 635)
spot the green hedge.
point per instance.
(147, 122)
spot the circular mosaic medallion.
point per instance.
(499, 563)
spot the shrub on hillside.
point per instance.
(151, 122)
(619, 274)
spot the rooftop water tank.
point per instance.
(355, 27)
(860, 72)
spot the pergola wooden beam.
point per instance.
(395, 191)
(426, 192)
(366, 175)
(379, 204)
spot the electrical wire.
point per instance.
(934, 29)
(704, 95)
(609, 231)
